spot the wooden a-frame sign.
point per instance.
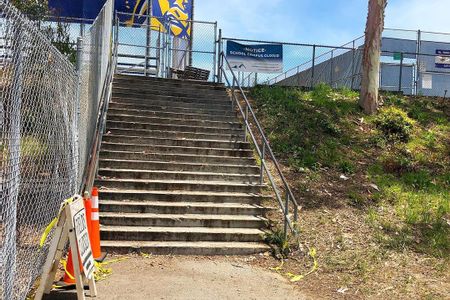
(71, 225)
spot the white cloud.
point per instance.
(428, 15)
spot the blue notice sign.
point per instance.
(443, 59)
(265, 58)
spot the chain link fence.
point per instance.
(38, 146)
(94, 64)
(48, 118)
(412, 62)
(306, 65)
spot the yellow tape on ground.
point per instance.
(297, 277)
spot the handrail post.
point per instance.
(286, 214)
(246, 123)
(263, 154)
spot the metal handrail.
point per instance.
(265, 149)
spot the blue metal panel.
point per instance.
(399, 45)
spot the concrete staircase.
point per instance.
(175, 175)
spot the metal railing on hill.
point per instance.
(262, 147)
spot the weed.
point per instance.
(395, 124)
(346, 167)
(277, 238)
(356, 199)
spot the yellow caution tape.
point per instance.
(297, 277)
(64, 264)
(52, 224)
(47, 231)
(145, 255)
(101, 273)
(279, 268)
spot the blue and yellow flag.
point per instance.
(173, 14)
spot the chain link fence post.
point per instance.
(313, 66)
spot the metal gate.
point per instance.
(148, 50)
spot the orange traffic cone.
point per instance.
(69, 275)
(95, 221)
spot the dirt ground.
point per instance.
(190, 277)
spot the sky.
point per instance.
(328, 22)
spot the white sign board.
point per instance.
(72, 226)
(427, 81)
(262, 58)
(442, 59)
(82, 236)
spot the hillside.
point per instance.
(374, 191)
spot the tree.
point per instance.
(38, 10)
(371, 57)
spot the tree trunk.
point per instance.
(371, 57)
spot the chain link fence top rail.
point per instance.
(38, 87)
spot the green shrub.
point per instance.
(395, 124)
(398, 161)
(347, 167)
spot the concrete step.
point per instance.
(178, 95)
(114, 173)
(179, 103)
(176, 157)
(176, 149)
(149, 109)
(185, 248)
(174, 128)
(181, 220)
(163, 207)
(181, 196)
(173, 121)
(140, 80)
(181, 142)
(175, 134)
(179, 185)
(178, 166)
(197, 116)
(171, 87)
(138, 233)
